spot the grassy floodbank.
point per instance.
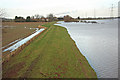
(53, 54)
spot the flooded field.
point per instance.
(23, 41)
(12, 31)
(98, 43)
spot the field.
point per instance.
(13, 30)
(53, 54)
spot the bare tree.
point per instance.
(50, 17)
(37, 16)
(42, 16)
(32, 17)
(2, 12)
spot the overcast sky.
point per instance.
(75, 8)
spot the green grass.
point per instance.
(51, 55)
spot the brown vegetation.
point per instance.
(68, 18)
(14, 70)
(12, 31)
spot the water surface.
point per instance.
(98, 43)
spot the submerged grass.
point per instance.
(51, 55)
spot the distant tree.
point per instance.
(42, 17)
(78, 17)
(2, 12)
(32, 17)
(28, 19)
(37, 16)
(19, 19)
(16, 17)
(50, 17)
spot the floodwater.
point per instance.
(23, 41)
(36, 29)
(98, 43)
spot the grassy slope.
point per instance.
(52, 55)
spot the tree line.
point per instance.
(36, 18)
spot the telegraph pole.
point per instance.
(86, 14)
(94, 13)
(111, 11)
(119, 9)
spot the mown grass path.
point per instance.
(51, 55)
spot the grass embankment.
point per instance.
(51, 55)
